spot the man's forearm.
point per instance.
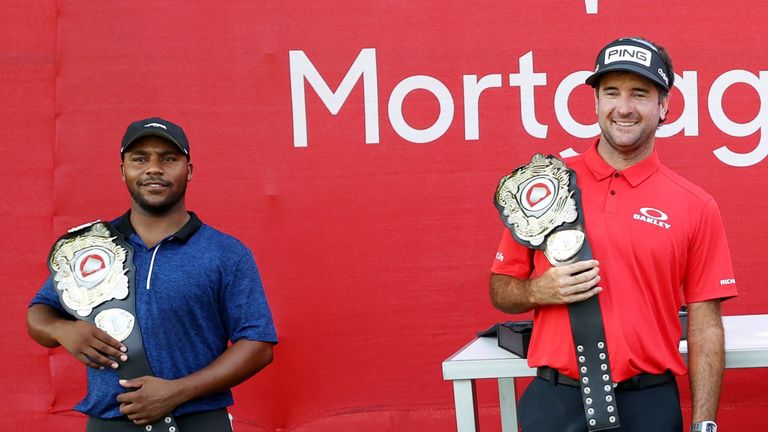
(510, 295)
(238, 363)
(41, 322)
(558, 285)
(155, 397)
(706, 358)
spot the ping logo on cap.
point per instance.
(628, 53)
(155, 125)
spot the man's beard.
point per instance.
(161, 208)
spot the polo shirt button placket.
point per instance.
(610, 203)
(616, 176)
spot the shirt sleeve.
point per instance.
(47, 295)
(709, 274)
(512, 258)
(247, 312)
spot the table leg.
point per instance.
(508, 404)
(465, 399)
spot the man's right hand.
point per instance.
(558, 285)
(90, 345)
(86, 342)
(566, 284)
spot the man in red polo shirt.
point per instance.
(657, 241)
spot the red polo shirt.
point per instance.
(659, 239)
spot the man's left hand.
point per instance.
(152, 399)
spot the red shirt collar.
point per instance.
(635, 174)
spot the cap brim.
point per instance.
(594, 79)
(153, 132)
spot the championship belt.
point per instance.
(92, 269)
(540, 203)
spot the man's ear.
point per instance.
(190, 168)
(596, 100)
(122, 171)
(663, 107)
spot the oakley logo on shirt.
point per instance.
(652, 216)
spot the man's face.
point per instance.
(629, 108)
(156, 173)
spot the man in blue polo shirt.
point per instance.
(196, 290)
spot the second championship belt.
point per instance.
(92, 269)
(540, 204)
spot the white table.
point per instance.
(746, 346)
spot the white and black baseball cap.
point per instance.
(155, 126)
(633, 55)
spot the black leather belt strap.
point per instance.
(637, 382)
(588, 332)
(137, 364)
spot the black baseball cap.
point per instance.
(633, 55)
(155, 126)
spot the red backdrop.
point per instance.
(374, 227)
